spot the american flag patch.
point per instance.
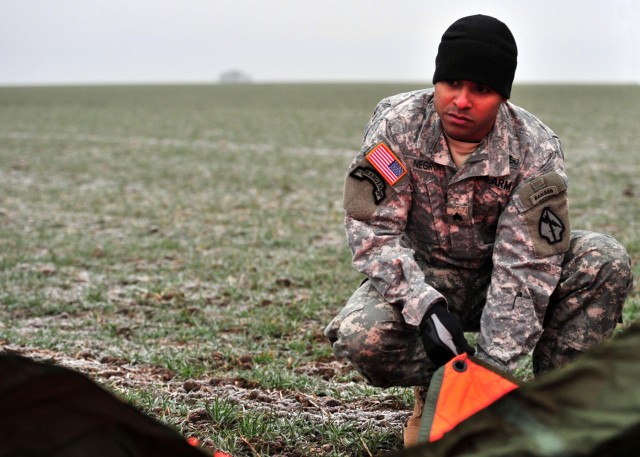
(386, 163)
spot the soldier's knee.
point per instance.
(614, 261)
(364, 357)
(603, 254)
(380, 355)
(364, 346)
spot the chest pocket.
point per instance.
(427, 220)
(473, 210)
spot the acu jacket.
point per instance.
(506, 209)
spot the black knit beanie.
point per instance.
(480, 49)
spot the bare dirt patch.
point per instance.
(381, 413)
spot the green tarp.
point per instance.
(51, 411)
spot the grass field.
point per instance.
(183, 246)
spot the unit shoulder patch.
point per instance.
(550, 226)
(545, 209)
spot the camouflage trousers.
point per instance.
(583, 311)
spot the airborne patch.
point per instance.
(386, 163)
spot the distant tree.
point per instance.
(234, 76)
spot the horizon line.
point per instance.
(545, 82)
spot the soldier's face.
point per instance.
(467, 110)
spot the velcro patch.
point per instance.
(387, 164)
(541, 189)
(364, 190)
(459, 214)
(545, 209)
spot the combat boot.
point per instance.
(412, 427)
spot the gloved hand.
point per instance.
(442, 335)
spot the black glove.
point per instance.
(442, 335)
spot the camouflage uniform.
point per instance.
(491, 238)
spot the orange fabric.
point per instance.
(464, 393)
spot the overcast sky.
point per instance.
(122, 41)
